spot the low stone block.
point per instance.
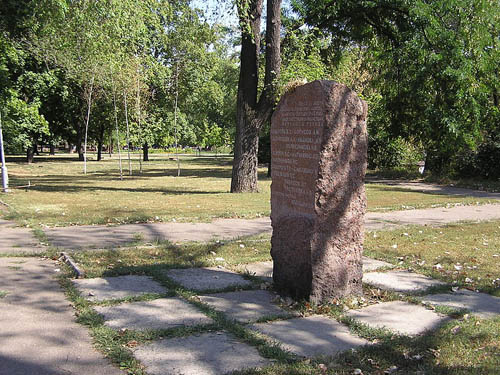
(400, 317)
(208, 354)
(245, 306)
(480, 304)
(99, 289)
(207, 278)
(162, 313)
(311, 336)
(370, 264)
(400, 281)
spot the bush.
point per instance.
(387, 153)
(483, 162)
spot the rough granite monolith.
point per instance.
(318, 202)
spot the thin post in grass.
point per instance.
(87, 126)
(117, 131)
(128, 136)
(175, 117)
(5, 176)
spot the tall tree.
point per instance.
(254, 111)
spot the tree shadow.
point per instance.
(41, 159)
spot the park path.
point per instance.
(21, 240)
(433, 188)
(95, 236)
(38, 331)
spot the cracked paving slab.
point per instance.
(209, 278)
(398, 316)
(213, 353)
(245, 306)
(400, 281)
(480, 304)
(311, 336)
(100, 289)
(162, 313)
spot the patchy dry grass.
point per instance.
(467, 255)
(60, 195)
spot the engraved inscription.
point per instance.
(296, 144)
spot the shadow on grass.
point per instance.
(415, 355)
(79, 188)
(92, 181)
(380, 187)
(42, 159)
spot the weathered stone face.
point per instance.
(318, 145)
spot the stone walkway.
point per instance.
(18, 240)
(21, 240)
(433, 188)
(214, 351)
(95, 236)
(38, 332)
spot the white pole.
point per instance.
(175, 117)
(5, 177)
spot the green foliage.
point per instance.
(483, 161)
(432, 67)
(22, 124)
(301, 57)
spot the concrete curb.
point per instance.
(70, 262)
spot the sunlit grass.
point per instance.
(54, 191)
(467, 255)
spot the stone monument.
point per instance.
(318, 157)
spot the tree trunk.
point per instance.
(252, 114)
(30, 154)
(79, 143)
(244, 175)
(52, 150)
(145, 152)
(100, 142)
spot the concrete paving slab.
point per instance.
(370, 264)
(18, 241)
(162, 313)
(6, 223)
(210, 278)
(102, 236)
(311, 336)
(400, 281)
(480, 304)
(399, 316)
(38, 332)
(264, 270)
(99, 289)
(212, 353)
(245, 306)
(431, 216)
(433, 188)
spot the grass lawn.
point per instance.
(60, 195)
(465, 345)
(466, 255)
